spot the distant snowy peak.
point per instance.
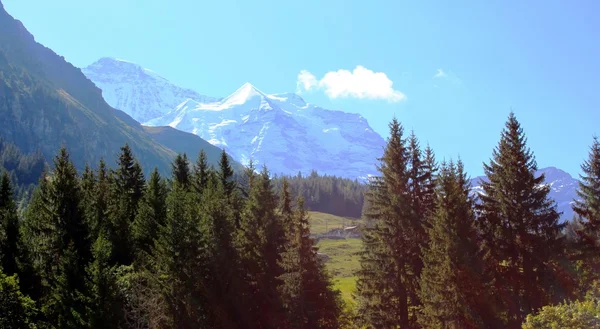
(282, 131)
(137, 91)
(563, 188)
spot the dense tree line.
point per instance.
(434, 258)
(111, 249)
(24, 169)
(329, 194)
(208, 248)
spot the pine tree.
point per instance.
(430, 169)
(98, 217)
(96, 197)
(418, 177)
(176, 262)
(151, 215)
(104, 302)
(66, 304)
(292, 289)
(450, 289)
(226, 174)
(306, 291)
(387, 276)
(259, 243)
(520, 228)
(588, 204)
(127, 188)
(201, 173)
(221, 284)
(181, 171)
(59, 238)
(10, 235)
(285, 209)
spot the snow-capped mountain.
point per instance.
(563, 189)
(137, 91)
(281, 131)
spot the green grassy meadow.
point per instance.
(343, 260)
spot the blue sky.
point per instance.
(539, 58)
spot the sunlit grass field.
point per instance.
(343, 260)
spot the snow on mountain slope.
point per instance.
(563, 189)
(281, 131)
(137, 91)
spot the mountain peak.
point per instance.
(248, 88)
(243, 94)
(137, 91)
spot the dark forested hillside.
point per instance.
(46, 103)
(329, 194)
(24, 170)
(190, 144)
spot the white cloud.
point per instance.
(361, 83)
(440, 74)
(306, 81)
(449, 76)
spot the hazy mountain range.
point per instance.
(279, 130)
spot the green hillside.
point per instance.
(190, 144)
(46, 103)
(342, 259)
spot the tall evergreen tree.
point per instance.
(10, 235)
(430, 169)
(105, 304)
(222, 282)
(226, 174)
(387, 276)
(307, 294)
(127, 188)
(151, 215)
(177, 262)
(520, 228)
(96, 197)
(285, 208)
(259, 242)
(201, 173)
(15, 256)
(588, 204)
(181, 173)
(59, 239)
(450, 288)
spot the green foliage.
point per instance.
(567, 315)
(587, 207)
(105, 303)
(226, 174)
(58, 235)
(328, 194)
(450, 287)
(10, 235)
(388, 280)
(180, 170)
(16, 310)
(211, 250)
(520, 229)
(259, 241)
(201, 173)
(127, 188)
(24, 170)
(151, 215)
